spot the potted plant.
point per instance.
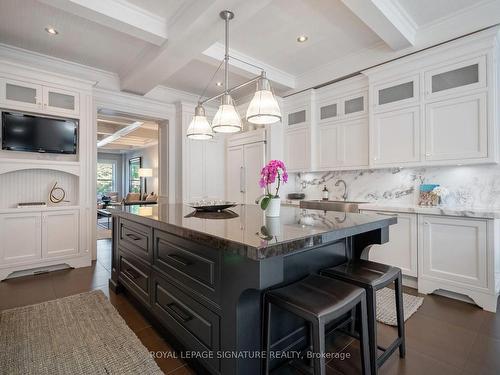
(273, 172)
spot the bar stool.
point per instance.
(318, 300)
(373, 276)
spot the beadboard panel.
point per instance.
(33, 185)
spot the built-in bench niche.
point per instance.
(34, 185)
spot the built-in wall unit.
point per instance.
(431, 117)
(46, 235)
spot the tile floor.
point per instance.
(444, 336)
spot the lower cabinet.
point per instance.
(29, 236)
(401, 250)
(454, 250)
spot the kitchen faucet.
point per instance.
(344, 196)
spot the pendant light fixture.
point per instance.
(263, 108)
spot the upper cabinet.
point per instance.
(395, 93)
(26, 96)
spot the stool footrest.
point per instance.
(388, 351)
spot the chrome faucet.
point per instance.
(344, 196)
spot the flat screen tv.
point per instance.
(24, 132)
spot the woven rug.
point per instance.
(80, 334)
(386, 306)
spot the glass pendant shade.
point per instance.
(227, 119)
(263, 108)
(199, 128)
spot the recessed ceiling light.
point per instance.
(218, 84)
(302, 38)
(51, 30)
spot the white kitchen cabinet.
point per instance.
(454, 78)
(20, 237)
(396, 93)
(401, 250)
(343, 144)
(245, 160)
(456, 129)
(60, 233)
(60, 101)
(459, 254)
(21, 95)
(297, 150)
(395, 137)
(39, 98)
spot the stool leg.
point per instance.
(363, 338)
(319, 347)
(371, 308)
(267, 334)
(400, 315)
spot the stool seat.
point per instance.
(317, 295)
(364, 272)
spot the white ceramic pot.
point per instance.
(273, 209)
(273, 226)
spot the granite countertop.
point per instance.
(473, 212)
(245, 229)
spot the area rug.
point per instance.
(386, 306)
(80, 334)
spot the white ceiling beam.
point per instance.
(195, 29)
(387, 19)
(119, 15)
(120, 133)
(216, 51)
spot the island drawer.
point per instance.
(135, 237)
(195, 266)
(194, 325)
(135, 275)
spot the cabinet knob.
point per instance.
(375, 158)
(428, 154)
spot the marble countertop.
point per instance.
(473, 212)
(246, 230)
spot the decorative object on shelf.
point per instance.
(31, 204)
(325, 194)
(211, 205)
(271, 203)
(263, 108)
(431, 194)
(296, 196)
(57, 194)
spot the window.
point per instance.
(106, 177)
(133, 171)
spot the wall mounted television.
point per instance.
(25, 132)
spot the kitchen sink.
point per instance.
(341, 206)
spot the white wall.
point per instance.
(149, 160)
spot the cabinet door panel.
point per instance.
(297, 150)
(355, 148)
(457, 77)
(214, 169)
(61, 101)
(60, 233)
(21, 94)
(453, 249)
(254, 162)
(234, 174)
(456, 129)
(195, 163)
(401, 250)
(20, 237)
(395, 138)
(330, 146)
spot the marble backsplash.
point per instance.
(469, 186)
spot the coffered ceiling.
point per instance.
(178, 43)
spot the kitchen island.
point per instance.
(202, 275)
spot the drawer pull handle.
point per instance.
(133, 236)
(179, 312)
(179, 259)
(131, 273)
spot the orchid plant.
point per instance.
(274, 170)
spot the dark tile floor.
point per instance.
(444, 336)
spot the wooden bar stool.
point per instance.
(373, 276)
(318, 300)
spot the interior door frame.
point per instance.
(164, 114)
